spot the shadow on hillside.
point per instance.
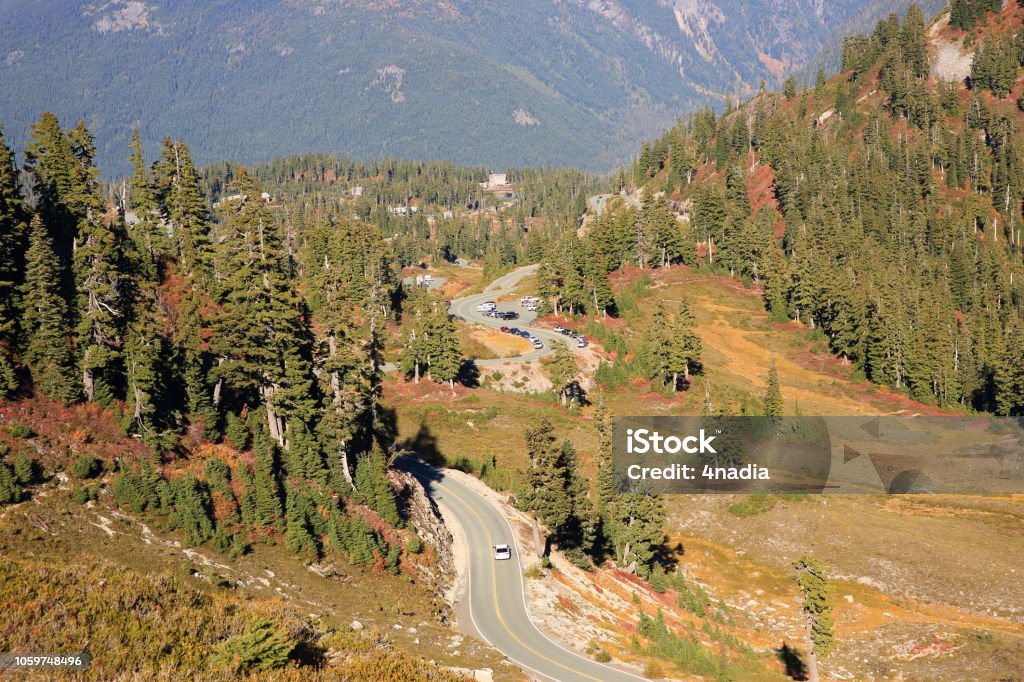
(796, 669)
(424, 446)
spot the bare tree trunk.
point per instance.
(137, 392)
(538, 540)
(88, 382)
(274, 421)
(344, 466)
(812, 658)
(218, 387)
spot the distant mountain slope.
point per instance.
(863, 22)
(483, 82)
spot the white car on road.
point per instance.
(502, 552)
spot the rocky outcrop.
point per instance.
(423, 516)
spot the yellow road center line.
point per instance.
(497, 609)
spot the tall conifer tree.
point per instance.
(45, 320)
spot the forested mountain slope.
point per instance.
(190, 353)
(489, 82)
(882, 206)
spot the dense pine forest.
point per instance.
(194, 327)
(200, 309)
(882, 207)
(469, 222)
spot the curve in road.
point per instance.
(466, 309)
(496, 592)
(599, 202)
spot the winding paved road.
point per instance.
(599, 202)
(497, 604)
(466, 309)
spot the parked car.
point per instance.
(526, 300)
(502, 553)
(581, 342)
(514, 330)
(538, 344)
(560, 329)
(567, 332)
(523, 333)
(505, 330)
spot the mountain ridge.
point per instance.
(573, 82)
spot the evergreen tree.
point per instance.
(605, 480)
(562, 369)
(100, 275)
(773, 394)
(50, 161)
(259, 648)
(789, 87)
(147, 228)
(639, 520)
(579, 535)
(26, 469)
(101, 282)
(192, 510)
(47, 350)
(342, 366)
(443, 349)
(965, 14)
(178, 191)
(266, 488)
(995, 65)
(353, 537)
(10, 491)
(13, 236)
(372, 485)
(1009, 375)
(547, 496)
(146, 357)
(681, 347)
(913, 42)
(193, 359)
(260, 336)
(817, 610)
(299, 536)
